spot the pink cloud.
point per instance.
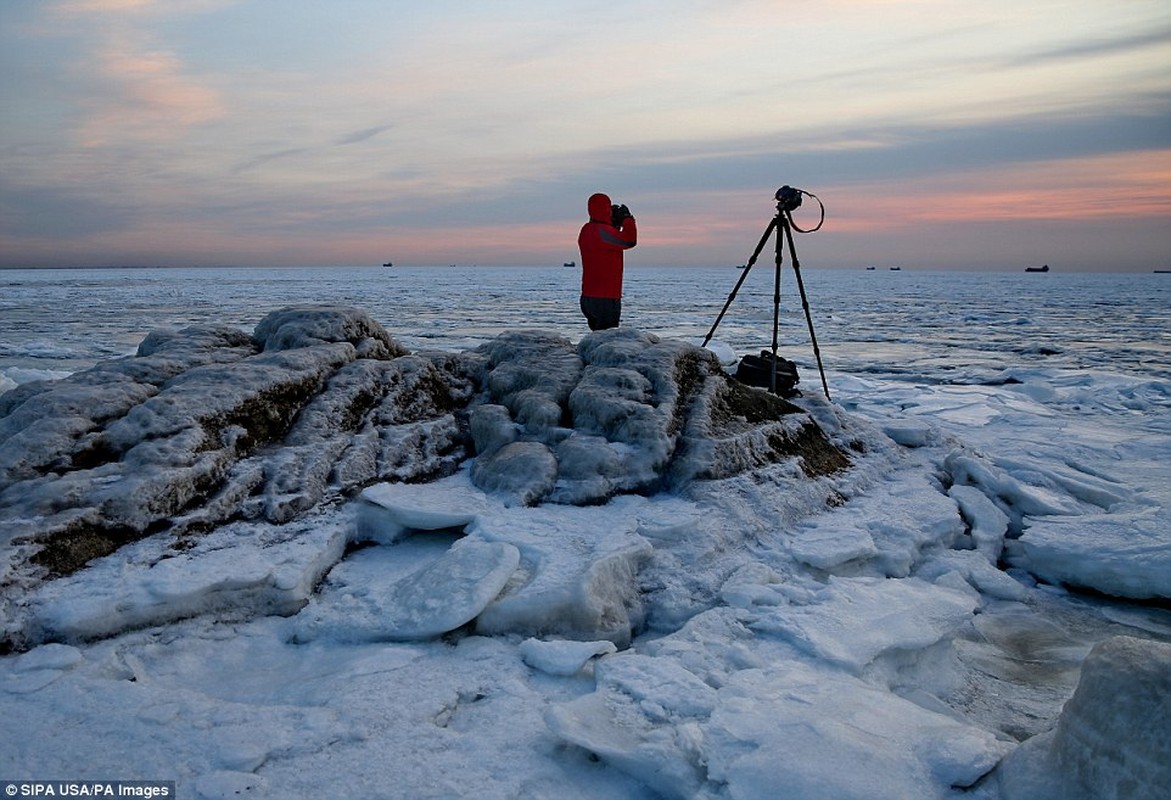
(151, 97)
(1132, 185)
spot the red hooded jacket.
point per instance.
(601, 246)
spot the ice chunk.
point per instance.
(807, 728)
(645, 720)
(239, 570)
(1023, 497)
(910, 432)
(987, 522)
(826, 544)
(1112, 740)
(820, 734)
(387, 511)
(881, 533)
(439, 597)
(578, 577)
(854, 621)
(561, 657)
(36, 669)
(1121, 554)
(974, 568)
(662, 687)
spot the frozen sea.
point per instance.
(929, 327)
(1051, 392)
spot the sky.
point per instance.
(938, 134)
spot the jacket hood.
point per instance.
(599, 207)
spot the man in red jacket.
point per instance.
(610, 230)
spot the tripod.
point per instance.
(787, 200)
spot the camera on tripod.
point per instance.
(768, 369)
(788, 198)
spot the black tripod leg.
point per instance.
(747, 268)
(805, 305)
(772, 372)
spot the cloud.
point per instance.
(56, 214)
(265, 158)
(143, 93)
(363, 135)
(102, 6)
(1097, 47)
(69, 8)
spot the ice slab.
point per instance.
(562, 657)
(1124, 555)
(796, 726)
(855, 620)
(441, 596)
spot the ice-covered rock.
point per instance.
(307, 325)
(1112, 740)
(211, 425)
(521, 471)
(627, 412)
(206, 425)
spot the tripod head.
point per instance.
(789, 200)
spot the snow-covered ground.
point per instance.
(897, 629)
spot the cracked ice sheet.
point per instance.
(227, 710)
(795, 725)
(882, 532)
(853, 621)
(1124, 555)
(443, 594)
(806, 727)
(578, 566)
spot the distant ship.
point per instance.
(871, 268)
(895, 269)
(388, 264)
(1044, 268)
(569, 264)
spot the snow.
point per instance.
(647, 596)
